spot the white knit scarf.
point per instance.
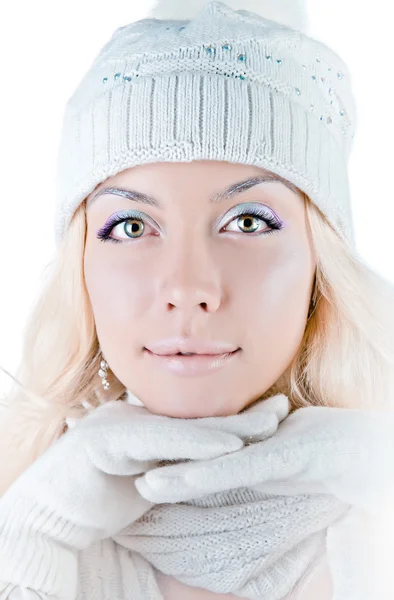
(241, 541)
(257, 545)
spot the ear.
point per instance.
(291, 13)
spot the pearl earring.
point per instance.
(103, 374)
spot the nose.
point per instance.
(190, 278)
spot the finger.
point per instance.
(132, 432)
(173, 484)
(169, 490)
(250, 466)
(177, 488)
(256, 423)
(279, 405)
(137, 449)
(110, 461)
(179, 442)
(248, 427)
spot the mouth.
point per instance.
(191, 364)
(189, 354)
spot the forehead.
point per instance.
(218, 180)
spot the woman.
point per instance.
(203, 207)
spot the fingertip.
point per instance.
(164, 488)
(145, 489)
(150, 478)
(280, 404)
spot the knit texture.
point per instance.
(107, 570)
(227, 85)
(82, 488)
(256, 541)
(241, 541)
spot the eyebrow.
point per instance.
(233, 190)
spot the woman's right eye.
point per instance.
(132, 226)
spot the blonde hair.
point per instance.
(346, 357)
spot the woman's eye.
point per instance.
(132, 228)
(255, 219)
(247, 222)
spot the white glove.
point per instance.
(340, 451)
(82, 488)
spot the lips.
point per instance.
(190, 354)
(193, 365)
(186, 346)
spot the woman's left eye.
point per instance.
(253, 218)
(134, 225)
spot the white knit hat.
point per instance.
(224, 84)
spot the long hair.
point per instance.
(345, 359)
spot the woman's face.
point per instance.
(188, 265)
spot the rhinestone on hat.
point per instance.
(242, 58)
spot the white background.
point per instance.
(45, 49)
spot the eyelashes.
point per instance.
(257, 211)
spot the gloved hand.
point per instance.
(340, 451)
(82, 488)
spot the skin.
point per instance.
(188, 276)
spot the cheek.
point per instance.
(273, 292)
(118, 290)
